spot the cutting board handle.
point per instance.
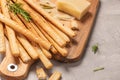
(17, 71)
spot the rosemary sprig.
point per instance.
(17, 9)
(95, 48)
(98, 69)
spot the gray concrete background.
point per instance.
(106, 33)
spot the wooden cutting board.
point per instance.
(22, 70)
(75, 52)
(85, 27)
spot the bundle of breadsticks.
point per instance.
(32, 33)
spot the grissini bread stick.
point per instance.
(30, 27)
(52, 33)
(41, 74)
(48, 55)
(46, 62)
(24, 41)
(2, 39)
(55, 76)
(43, 37)
(39, 32)
(16, 18)
(31, 51)
(14, 25)
(35, 26)
(42, 22)
(62, 51)
(23, 54)
(38, 49)
(74, 25)
(64, 36)
(29, 48)
(11, 34)
(66, 30)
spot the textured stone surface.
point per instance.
(106, 33)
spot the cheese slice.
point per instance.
(76, 8)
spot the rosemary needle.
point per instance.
(98, 69)
(95, 48)
(17, 9)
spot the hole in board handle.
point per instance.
(12, 67)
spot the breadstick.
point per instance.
(35, 46)
(46, 53)
(52, 33)
(2, 40)
(41, 74)
(23, 54)
(74, 25)
(30, 25)
(24, 40)
(10, 32)
(8, 50)
(62, 51)
(39, 33)
(14, 17)
(31, 51)
(41, 55)
(43, 37)
(65, 37)
(42, 22)
(38, 49)
(66, 30)
(55, 76)
(14, 25)
(46, 62)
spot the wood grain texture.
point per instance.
(85, 26)
(22, 70)
(75, 52)
(79, 42)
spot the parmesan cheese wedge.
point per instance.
(76, 8)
